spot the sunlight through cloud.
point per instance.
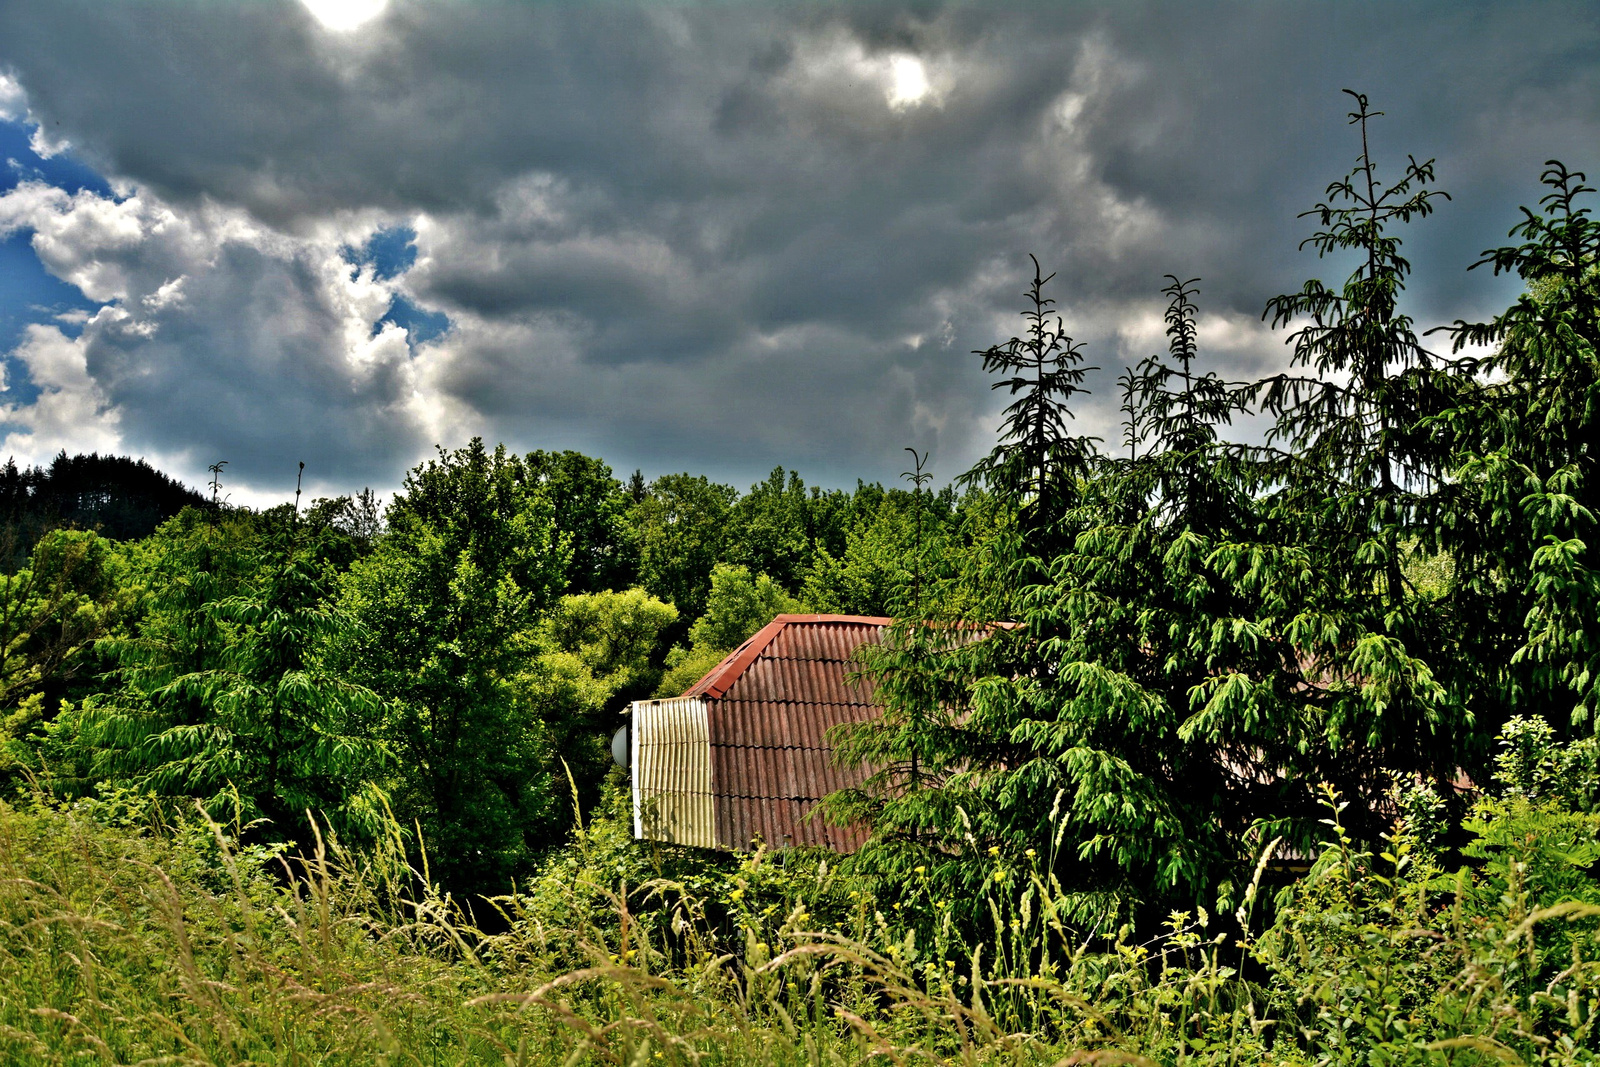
(345, 15)
(910, 81)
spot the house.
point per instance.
(743, 756)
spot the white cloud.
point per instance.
(13, 101)
(44, 145)
(71, 411)
(83, 238)
(14, 108)
(170, 294)
(837, 83)
(216, 338)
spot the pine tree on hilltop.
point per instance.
(117, 496)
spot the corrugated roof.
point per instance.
(828, 633)
(769, 706)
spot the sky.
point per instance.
(714, 237)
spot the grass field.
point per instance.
(130, 940)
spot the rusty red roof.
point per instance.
(769, 706)
(821, 628)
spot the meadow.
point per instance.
(133, 940)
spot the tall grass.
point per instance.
(127, 941)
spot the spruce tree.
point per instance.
(1369, 671)
(1359, 456)
(1204, 631)
(1080, 710)
(1518, 517)
(919, 801)
(1037, 464)
(913, 748)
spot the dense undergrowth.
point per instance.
(135, 939)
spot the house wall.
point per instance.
(671, 762)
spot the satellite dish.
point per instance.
(619, 746)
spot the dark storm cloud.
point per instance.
(706, 237)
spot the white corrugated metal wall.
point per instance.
(671, 763)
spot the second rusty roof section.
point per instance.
(770, 704)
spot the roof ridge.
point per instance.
(718, 679)
(876, 620)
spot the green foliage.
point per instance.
(1206, 631)
(770, 529)
(1037, 463)
(740, 604)
(1538, 834)
(871, 572)
(115, 496)
(195, 562)
(1533, 766)
(135, 942)
(1158, 717)
(918, 813)
(1098, 694)
(279, 727)
(355, 523)
(52, 612)
(1353, 488)
(612, 637)
(1125, 695)
(686, 666)
(256, 724)
(442, 671)
(591, 510)
(446, 608)
(571, 902)
(1518, 522)
(1358, 451)
(582, 665)
(874, 573)
(680, 525)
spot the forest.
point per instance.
(1267, 749)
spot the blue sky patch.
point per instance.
(420, 325)
(28, 292)
(22, 164)
(390, 252)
